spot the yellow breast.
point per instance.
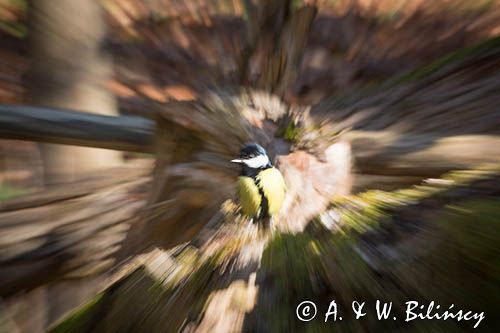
(272, 186)
(249, 196)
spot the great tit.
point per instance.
(261, 187)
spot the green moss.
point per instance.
(292, 132)
(489, 44)
(465, 177)
(463, 264)
(7, 192)
(474, 226)
(80, 319)
(388, 16)
(296, 4)
(452, 257)
(477, 6)
(15, 29)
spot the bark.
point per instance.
(277, 35)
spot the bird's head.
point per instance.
(253, 156)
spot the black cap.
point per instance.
(251, 150)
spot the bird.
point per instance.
(261, 187)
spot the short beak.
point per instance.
(236, 161)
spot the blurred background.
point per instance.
(117, 202)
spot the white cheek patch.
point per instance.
(257, 161)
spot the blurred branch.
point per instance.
(75, 128)
(386, 153)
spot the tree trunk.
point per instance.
(69, 70)
(278, 34)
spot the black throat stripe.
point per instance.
(264, 203)
(253, 173)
